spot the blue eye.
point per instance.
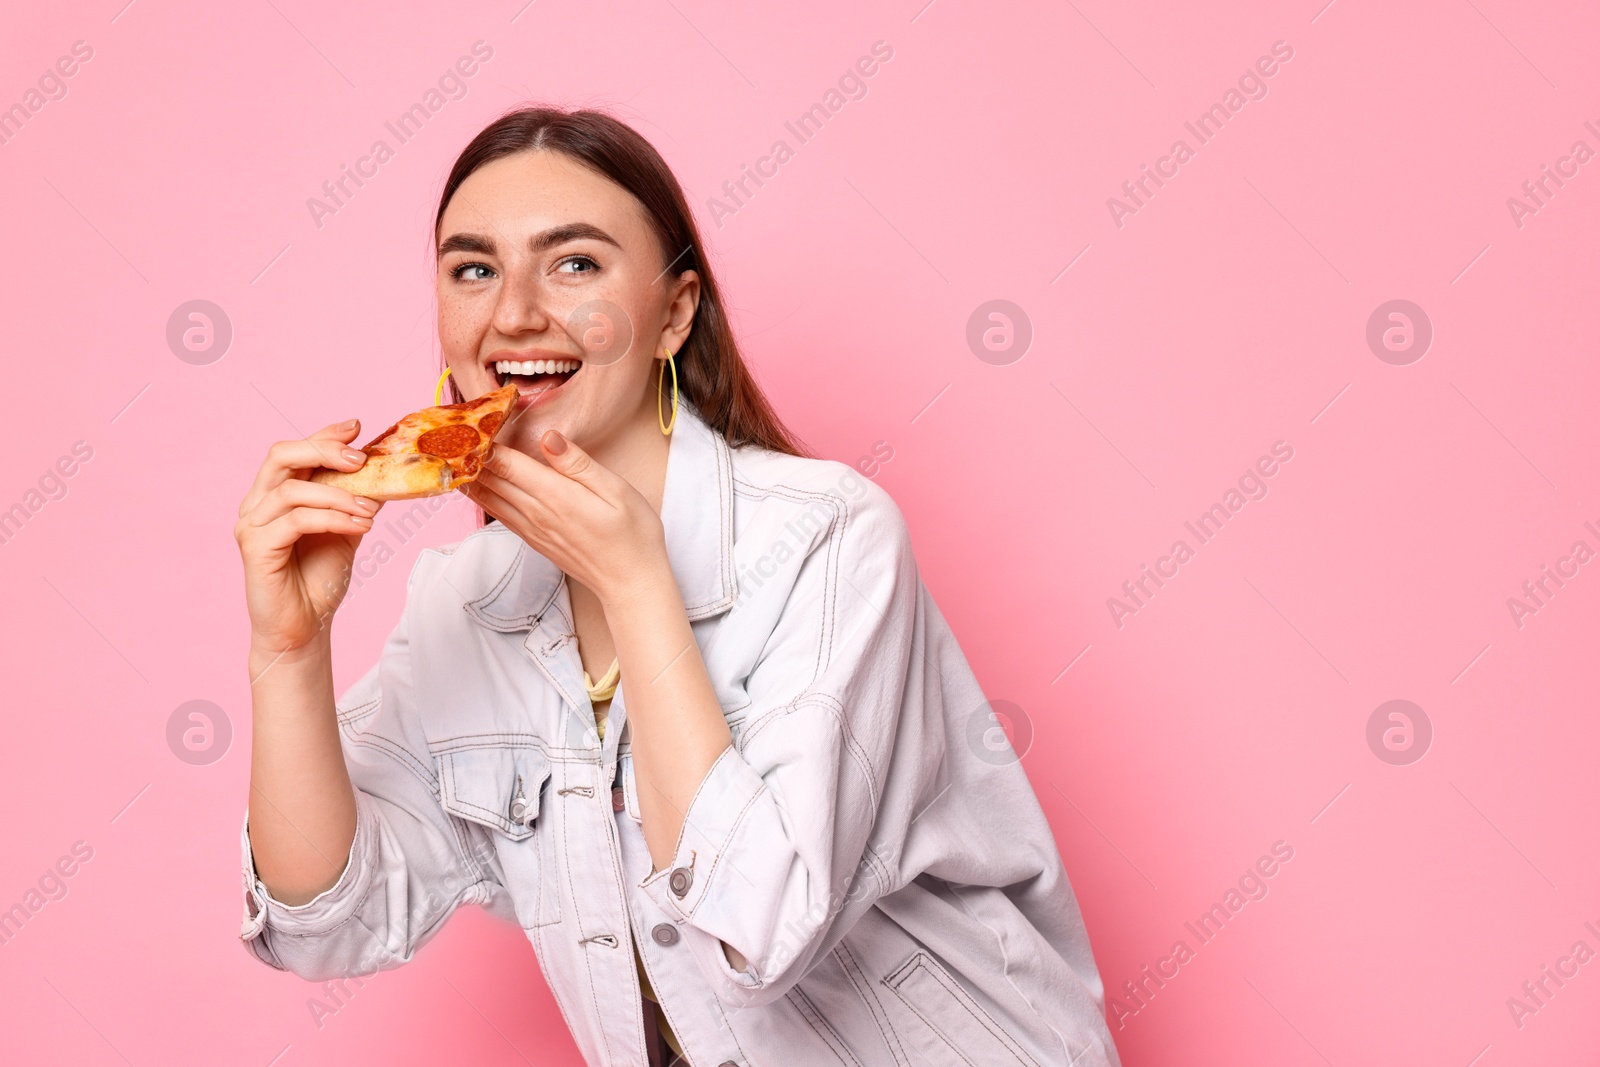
(593, 266)
(458, 272)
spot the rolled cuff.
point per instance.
(327, 909)
(727, 793)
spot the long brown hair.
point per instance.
(711, 373)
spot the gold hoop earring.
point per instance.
(438, 390)
(666, 427)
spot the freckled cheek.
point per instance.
(459, 330)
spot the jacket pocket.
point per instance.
(822, 1029)
(950, 1012)
(502, 788)
(498, 787)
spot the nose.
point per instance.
(521, 307)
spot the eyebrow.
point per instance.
(540, 242)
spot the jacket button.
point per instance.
(617, 801)
(519, 808)
(680, 880)
(664, 934)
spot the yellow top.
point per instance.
(605, 687)
(598, 691)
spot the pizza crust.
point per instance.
(393, 477)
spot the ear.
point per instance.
(680, 312)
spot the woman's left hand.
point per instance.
(587, 520)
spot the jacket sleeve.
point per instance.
(778, 853)
(411, 863)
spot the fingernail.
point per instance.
(366, 505)
(361, 520)
(554, 443)
(352, 456)
(352, 424)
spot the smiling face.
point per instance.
(550, 276)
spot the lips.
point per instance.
(539, 377)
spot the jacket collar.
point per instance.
(510, 586)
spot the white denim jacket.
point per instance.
(887, 873)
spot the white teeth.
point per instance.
(535, 366)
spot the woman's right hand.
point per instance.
(298, 538)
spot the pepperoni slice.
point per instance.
(470, 464)
(447, 442)
(490, 424)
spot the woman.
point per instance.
(764, 835)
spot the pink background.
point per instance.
(1228, 313)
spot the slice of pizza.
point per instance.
(428, 452)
